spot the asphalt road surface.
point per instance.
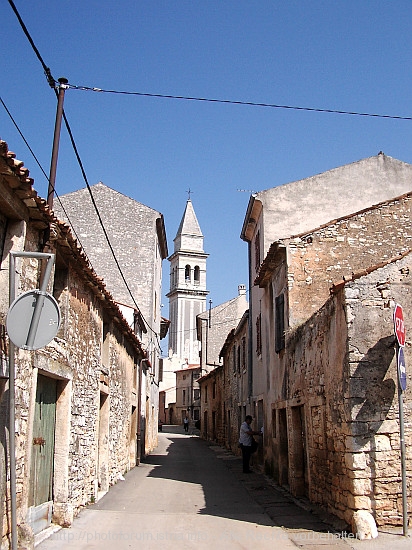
(189, 494)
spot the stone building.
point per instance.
(214, 325)
(187, 298)
(187, 394)
(138, 238)
(225, 390)
(325, 434)
(212, 406)
(77, 398)
(236, 382)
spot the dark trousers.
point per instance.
(246, 454)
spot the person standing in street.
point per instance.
(186, 424)
(246, 441)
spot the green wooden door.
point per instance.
(41, 478)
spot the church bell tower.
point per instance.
(187, 295)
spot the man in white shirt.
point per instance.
(245, 442)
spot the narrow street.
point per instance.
(188, 494)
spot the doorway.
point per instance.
(299, 477)
(283, 449)
(42, 455)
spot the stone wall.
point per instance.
(371, 393)
(342, 378)
(333, 252)
(212, 415)
(94, 434)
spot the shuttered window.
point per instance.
(279, 323)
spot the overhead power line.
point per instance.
(52, 83)
(44, 173)
(235, 102)
(46, 69)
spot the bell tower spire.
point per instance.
(187, 294)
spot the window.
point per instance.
(106, 345)
(196, 275)
(187, 273)
(238, 358)
(257, 251)
(259, 334)
(279, 323)
(196, 394)
(234, 358)
(274, 424)
(205, 394)
(214, 390)
(243, 365)
(184, 397)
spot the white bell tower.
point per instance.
(187, 295)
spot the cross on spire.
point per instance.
(189, 192)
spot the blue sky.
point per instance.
(351, 55)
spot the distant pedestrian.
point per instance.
(186, 424)
(246, 442)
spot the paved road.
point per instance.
(188, 494)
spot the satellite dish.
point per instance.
(20, 316)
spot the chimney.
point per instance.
(241, 290)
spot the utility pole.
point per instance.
(55, 153)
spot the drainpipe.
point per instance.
(250, 332)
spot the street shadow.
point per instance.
(189, 459)
(371, 391)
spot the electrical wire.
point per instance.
(50, 79)
(80, 163)
(44, 173)
(52, 83)
(235, 102)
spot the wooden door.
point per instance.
(41, 478)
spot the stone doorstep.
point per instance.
(46, 533)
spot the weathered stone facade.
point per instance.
(337, 426)
(212, 406)
(85, 381)
(323, 256)
(214, 325)
(235, 383)
(325, 433)
(138, 239)
(187, 394)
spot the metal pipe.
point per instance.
(39, 302)
(403, 463)
(12, 419)
(55, 152)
